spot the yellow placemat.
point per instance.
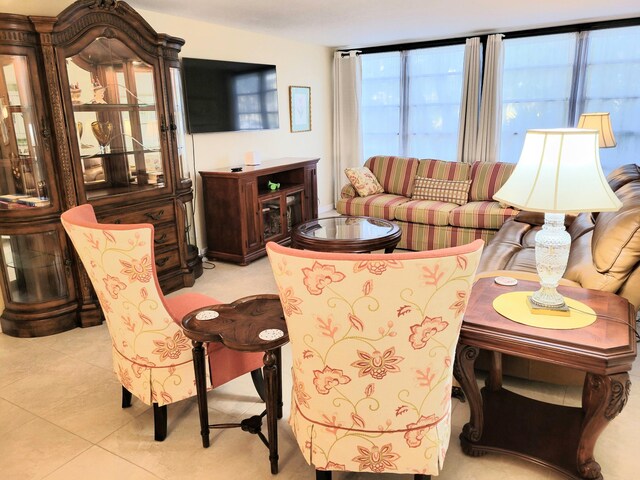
(513, 305)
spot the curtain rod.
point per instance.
(625, 22)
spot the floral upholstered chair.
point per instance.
(373, 338)
(151, 355)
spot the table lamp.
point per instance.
(558, 172)
(602, 123)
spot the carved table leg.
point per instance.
(494, 380)
(271, 379)
(603, 398)
(201, 389)
(465, 374)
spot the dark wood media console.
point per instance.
(242, 213)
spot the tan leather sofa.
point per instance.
(605, 252)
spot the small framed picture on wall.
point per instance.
(300, 108)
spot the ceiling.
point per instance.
(360, 23)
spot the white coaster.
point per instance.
(271, 334)
(207, 315)
(506, 281)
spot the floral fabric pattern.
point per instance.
(373, 338)
(151, 355)
(122, 275)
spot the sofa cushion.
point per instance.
(480, 215)
(425, 211)
(395, 174)
(616, 237)
(449, 191)
(623, 175)
(382, 205)
(444, 170)
(418, 236)
(363, 181)
(487, 178)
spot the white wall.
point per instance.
(297, 64)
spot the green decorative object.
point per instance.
(273, 186)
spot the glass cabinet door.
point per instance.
(116, 119)
(23, 176)
(178, 127)
(294, 213)
(34, 267)
(271, 218)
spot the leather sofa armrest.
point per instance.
(348, 191)
(537, 218)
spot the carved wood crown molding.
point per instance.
(14, 36)
(77, 28)
(105, 4)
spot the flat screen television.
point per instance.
(225, 96)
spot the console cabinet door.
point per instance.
(253, 240)
(310, 192)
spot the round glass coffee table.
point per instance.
(346, 234)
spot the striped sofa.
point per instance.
(428, 224)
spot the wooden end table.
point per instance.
(346, 234)
(560, 437)
(250, 324)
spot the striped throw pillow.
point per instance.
(364, 181)
(449, 191)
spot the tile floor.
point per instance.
(60, 416)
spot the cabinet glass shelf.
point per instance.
(97, 107)
(126, 152)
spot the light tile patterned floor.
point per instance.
(60, 416)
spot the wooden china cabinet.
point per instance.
(90, 112)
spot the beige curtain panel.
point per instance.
(347, 135)
(470, 102)
(488, 143)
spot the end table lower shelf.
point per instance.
(250, 324)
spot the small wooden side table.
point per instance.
(250, 324)
(559, 437)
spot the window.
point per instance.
(611, 85)
(550, 79)
(411, 102)
(536, 87)
(381, 104)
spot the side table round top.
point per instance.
(250, 324)
(346, 234)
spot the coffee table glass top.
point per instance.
(347, 228)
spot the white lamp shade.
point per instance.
(559, 171)
(602, 123)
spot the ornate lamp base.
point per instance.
(552, 253)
